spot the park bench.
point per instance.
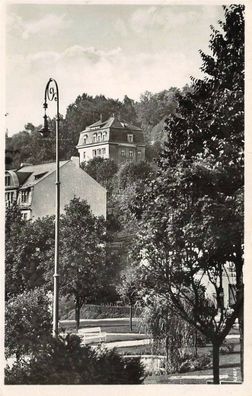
(91, 333)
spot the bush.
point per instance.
(193, 363)
(65, 361)
(28, 322)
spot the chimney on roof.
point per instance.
(76, 161)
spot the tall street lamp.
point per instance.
(52, 94)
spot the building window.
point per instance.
(99, 151)
(104, 136)
(7, 180)
(104, 150)
(123, 153)
(99, 137)
(131, 154)
(130, 138)
(94, 153)
(9, 198)
(25, 216)
(85, 139)
(94, 138)
(139, 153)
(24, 196)
(84, 155)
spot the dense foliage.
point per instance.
(28, 323)
(65, 361)
(85, 266)
(102, 170)
(28, 252)
(86, 257)
(171, 335)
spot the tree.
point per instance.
(102, 170)
(152, 109)
(28, 323)
(83, 262)
(129, 110)
(193, 212)
(131, 172)
(167, 330)
(29, 251)
(183, 250)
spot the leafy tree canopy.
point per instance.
(28, 252)
(86, 272)
(102, 170)
(27, 322)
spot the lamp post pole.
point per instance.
(52, 94)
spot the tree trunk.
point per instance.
(240, 296)
(130, 318)
(241, 331)
(77, 315)
(168, 363)
(216, 363)
(196, 343)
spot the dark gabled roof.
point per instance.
(33, 174)
(112, 122)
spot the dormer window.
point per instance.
(104, 136)
(99, 137)
(85, 139)
(94, 137)
(39, 175)
(130, 138)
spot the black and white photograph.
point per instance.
(123, 246)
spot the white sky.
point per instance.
(114, 50)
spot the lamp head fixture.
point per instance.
(45, 131)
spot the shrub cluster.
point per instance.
(66, 361)
(193, 363)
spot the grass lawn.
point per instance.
(229, 371)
